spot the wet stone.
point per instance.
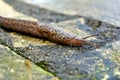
(67, 62)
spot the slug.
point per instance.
(42, 30)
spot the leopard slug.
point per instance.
(42, 30)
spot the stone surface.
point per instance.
(68, 63)
(105, 10)
(13, 67)
(42, 14)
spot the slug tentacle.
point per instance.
(43, 30)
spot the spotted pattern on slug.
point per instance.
(42, 30)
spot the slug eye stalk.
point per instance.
(91, 43)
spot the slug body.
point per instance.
(47, 31)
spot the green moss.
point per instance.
(44, 65)
(116, 57)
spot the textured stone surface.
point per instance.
(13, 67)
(105, 10)
(66, 62)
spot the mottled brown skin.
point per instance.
(47, 31)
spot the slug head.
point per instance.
(80, 42)
(76, 42)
